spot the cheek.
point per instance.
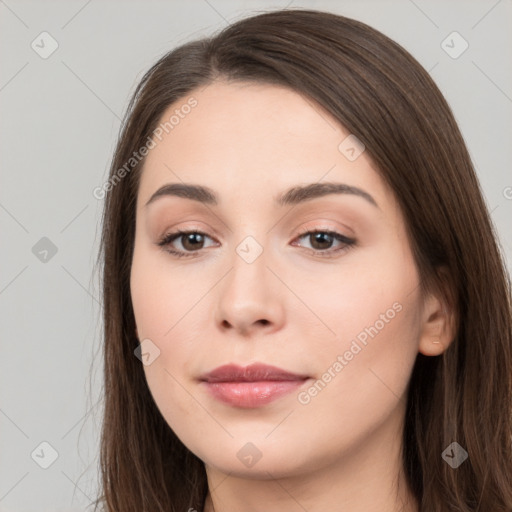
(366, 339)
(168, 311)
(162, 298)
(370, 295)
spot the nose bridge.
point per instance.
(249, 275)
(249, 294)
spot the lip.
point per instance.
(252, 386)
(254, 372)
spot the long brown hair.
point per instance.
(380, 93)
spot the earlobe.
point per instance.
(434, 347)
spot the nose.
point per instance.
(250, 298)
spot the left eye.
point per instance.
(321, 241)
(193, 241)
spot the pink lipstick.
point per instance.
(251, 386)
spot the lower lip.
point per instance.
(251, 394)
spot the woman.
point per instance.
(305, 306)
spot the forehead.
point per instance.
(251, 137)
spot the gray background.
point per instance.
(60, 117)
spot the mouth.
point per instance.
(251, 386)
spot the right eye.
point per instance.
(191, 242)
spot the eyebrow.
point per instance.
(292, 196)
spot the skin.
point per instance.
(291, 307)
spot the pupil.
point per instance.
(190, 239)
(323, 239)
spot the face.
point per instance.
(320, 285)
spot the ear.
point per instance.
(438, 328)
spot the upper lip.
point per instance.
(252, 373)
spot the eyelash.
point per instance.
(167, 239)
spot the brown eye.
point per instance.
(321, 240)
(192, 241)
